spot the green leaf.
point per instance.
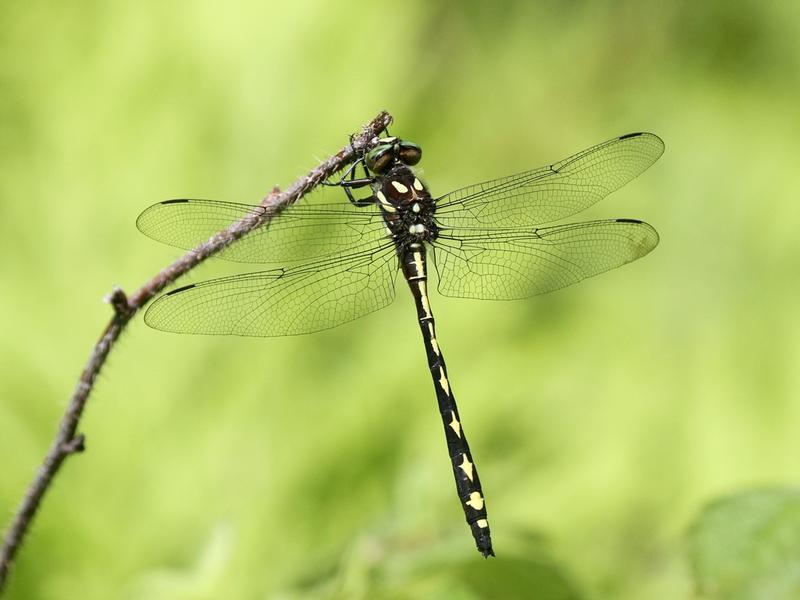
(748, 546)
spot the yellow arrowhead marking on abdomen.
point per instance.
(475, 500)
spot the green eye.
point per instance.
(410, 153)
(379, 158)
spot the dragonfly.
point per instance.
(495, 240)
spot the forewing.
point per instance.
(553, 192)
(292, 301)
(508, 265)
(299, 233)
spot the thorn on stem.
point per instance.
(119, 302)
(275, 191)
(75, 445)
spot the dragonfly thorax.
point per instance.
(406, 205)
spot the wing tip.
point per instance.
(645, 134)
(649, 233)
(141, 220)
(636, 134)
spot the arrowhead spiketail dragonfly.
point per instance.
(494, 240)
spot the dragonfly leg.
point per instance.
(353, 184)
(350, 172)
(349, 182)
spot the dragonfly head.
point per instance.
(389, 151)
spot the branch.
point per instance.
(67, 440)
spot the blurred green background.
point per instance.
(603, 418)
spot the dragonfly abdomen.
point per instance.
(468, 484)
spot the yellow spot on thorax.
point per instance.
(399, 187)
(385, 204)
(418, 185)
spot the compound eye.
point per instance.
(410, 153)
(379, 158)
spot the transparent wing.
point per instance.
(512, 264)
(299, 233)
(291, 301)
(553, 192)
